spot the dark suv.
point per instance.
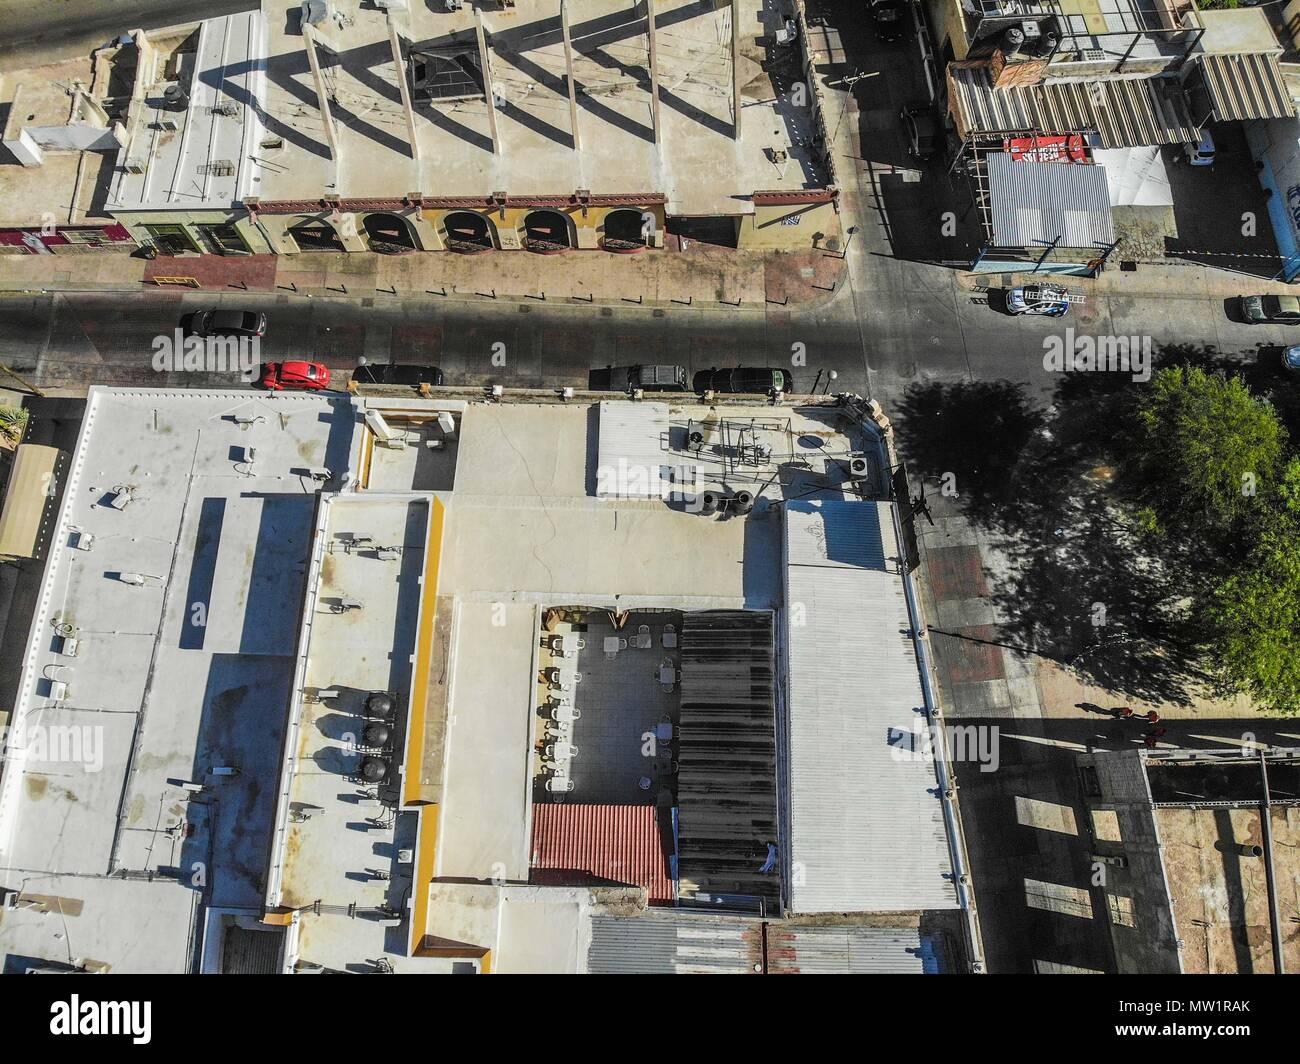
(746, 380)
(646, 378)
(394, 373)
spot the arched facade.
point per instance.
(389, 233)
(468, 232)
(548, 232)
(627, 230)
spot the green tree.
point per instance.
(1251, 618)
(1202, 451)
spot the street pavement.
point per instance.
(37, 33)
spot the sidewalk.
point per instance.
(704, 276)
(1176, 280)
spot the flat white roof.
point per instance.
(484, 822)
(206, 160)
(176, 566)
(867, 830)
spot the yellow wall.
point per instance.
(415, 727)
(792, 227)
(135, 221)
(948, 24)
(588, 229)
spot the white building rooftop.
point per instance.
(198, 149)
(867, 830)
(697, 163)
(160, 664)
(241, 583)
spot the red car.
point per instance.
(309, 375)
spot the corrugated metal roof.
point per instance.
(634, 461)
(1124, 112)
(867, 828)
(1242, 87)
(682, 943)
(574, 844)
(849, 950)
(30, 490)
(675, 944)
(1035, 203)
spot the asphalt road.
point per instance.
(910, 326)
(41, 32)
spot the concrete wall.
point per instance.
(945, 17)
(770, 227)
(1151, 946)
(137, 222)
(1275, 145)
(586, 228)
(792, 227)
(77, 137)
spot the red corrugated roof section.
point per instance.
(575, 843)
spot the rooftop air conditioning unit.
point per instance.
(134, 166)
(1092, 55)
(175, 98)
(859, 468)
(315, 12)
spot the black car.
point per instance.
(923, 130)
(395, 373)
(1271, 310)
(745, 380)
(646, 378)
(229, 323)
(890, 18)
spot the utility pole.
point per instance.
(25, 383)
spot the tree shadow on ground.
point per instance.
(1081, 585)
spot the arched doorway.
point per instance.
(389, 234)
(316, 235)
(468, 232)
(546, 232)
(625, 230)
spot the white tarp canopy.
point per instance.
(1136, 177)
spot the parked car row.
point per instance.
(307, 375)
(736, 380)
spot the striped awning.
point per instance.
(1245, 86)
(1124, 112)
